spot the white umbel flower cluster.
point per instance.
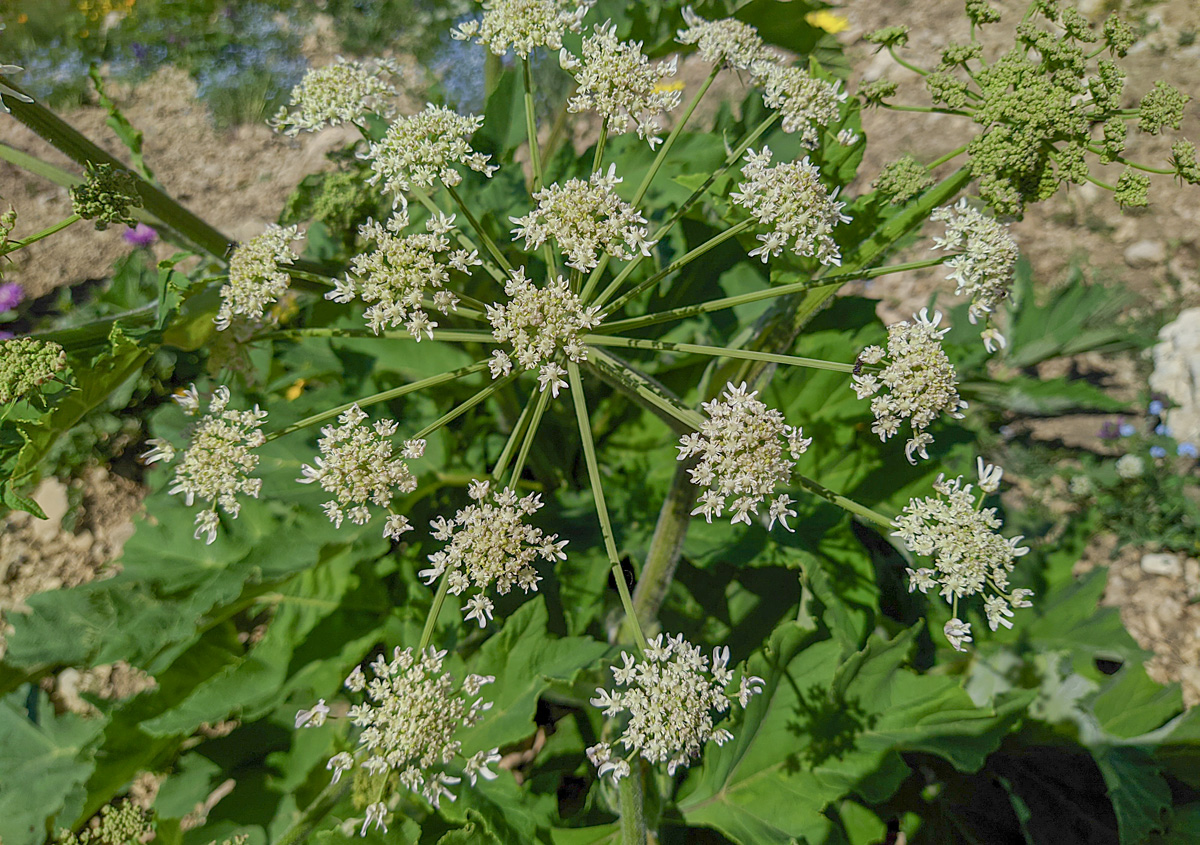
(969, 556)
(409, 720)
(540, 323)
(806, 104)
(616, 80)
(343, 92)
(744, 450)
(585, 219)
(218, 460)
(489, 545)
(728, 43)
(917, 382)
(256, 279)
(790, 200)
(983, 267)
(423, 149)
(670, 696)
(358, 465)
(402, 272)
(523, 24)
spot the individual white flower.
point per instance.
(969, 555)
(488, 545)
(585, 219)
(404, 274)
(256, 279)
(421, 150)
(744, 450)
(669, 699)
(984, 264)
(957, 633)
(615, 79)
(917, 382)
(728, 42)
(6, 91)
(313, 718)
(1130, 467)
(806, 104)
(523, 25)
(218, 460)
(358, 465)
(409, 719)
(790, 200)
(160, 450)
(343, 92)
(540, 324)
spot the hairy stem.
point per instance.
(630, 803)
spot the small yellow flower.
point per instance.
(293, 392)
(827, 20)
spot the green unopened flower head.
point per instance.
(959, 54)
(1114, 139)
(119, 824)
(875, 92)
(1183, 159)
(1133, 189)
(1162, 106)
(26, 364)
(106, 196)
(980, 12)
(1118, 35)
(1077, 26)
(902, 179)
(946, 89)
(889, 36)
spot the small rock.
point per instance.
(1144, 254)
(1177, 372)
(1162, 563)
(51, 494)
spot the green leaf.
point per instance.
(44, 762)
(1140, 795)
(1131, 704)
(17, 502)
(1041, 397)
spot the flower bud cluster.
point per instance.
(728, 43)
(616, 80)
(741, 447)
(917, 382)
(902, 179)
(412, 713)
(106, 196)
(969, 556)
(669, 698)
(402, 271)
(987, 256)
(358, 465)
(523, 24)
(26, 364)
(422, 149)
(790, 200)
(489, 545)
(256, 278)
(585, 219)
(218, 460)
(806, 104)
(119, 824)
(540, 323)
(343, 92)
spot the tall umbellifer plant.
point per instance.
(578, 296)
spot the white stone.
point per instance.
(1162, 563)
(1145, 254)
(1177, 373)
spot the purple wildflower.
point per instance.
(10, 296)
(141, 235)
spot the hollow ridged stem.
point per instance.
(630, 802)
(435, 610)
(539, 410)
(717, 352)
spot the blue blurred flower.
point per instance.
(1127, 429)
(1163, 430)
(1156, 408)
(1186, 450)
(1158, 452)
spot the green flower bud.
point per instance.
(26, 364)
(957, 55)
(1183, 159)
(1077, 26)
(1072, 163)
(1133, 189)
(946, 89)
(1114, 139)
(889, 36)
(106, 196)
(120, 824)
(902, 179)
(1162, 106)
(875, 92)
(981, 12)
(1107, 87)
(1118, 35)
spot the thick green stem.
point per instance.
(13, 246)
(384, 396)
(445, 335)
(670, 142)
(644, 390)
(303, 827)
(598, 157)
(435, 610)
(606, 529)
(679, 263)
(539, 410)
(955, 153)
(510, 445)
(630, 800)
(666, 546)
(535, 158)
(844, 503)
(718, 352)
